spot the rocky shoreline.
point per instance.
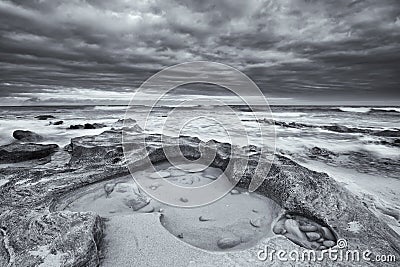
(39, 233)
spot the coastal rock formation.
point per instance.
(316, 196)
(17, 152)
(362, 160)
(29, 196)
(104, 148)
(27, 136)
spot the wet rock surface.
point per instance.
(44, 117)
(35, 238)
(17, 152)
(87, 126)
(27, 201)
(57, 123)
(27, 136)
(317, 152)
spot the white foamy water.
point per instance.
(389, 109)
(348, 109)
(106, 108)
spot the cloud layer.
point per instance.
(300, 49)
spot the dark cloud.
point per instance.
(299, 49)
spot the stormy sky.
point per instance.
(54, 51)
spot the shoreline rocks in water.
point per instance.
(44, 117)
(87, 126)
(317, 152)
(57, 123)
(27, 136)
(363, 161)
(335, 128)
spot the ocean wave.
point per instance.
(289, 114)
(386, 109)
(354, 109)
(370, 109)
(110, 107)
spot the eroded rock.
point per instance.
(57, 123)
(17, 152)
(27, 136)
(87, 126)
(53, 239)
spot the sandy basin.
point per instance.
(237, 221)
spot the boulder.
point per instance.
(27, 136)
(106, 147)
(228, 242)
(58, 123)
(308, 228)
(17, 152)
(317, 152)
(76, 127)
(312, 236)
(93, 125)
